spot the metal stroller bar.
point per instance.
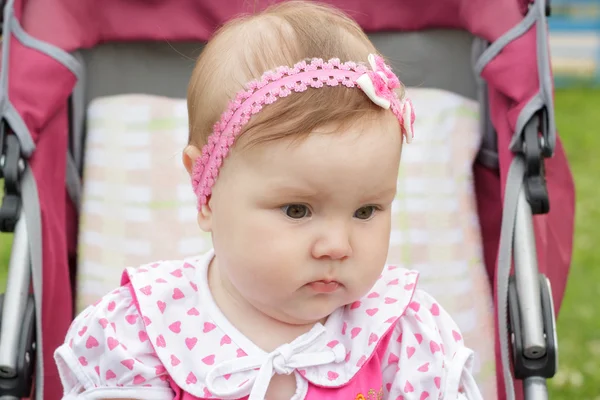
(17, 306)
(529, 302)
(531, 311)
(15, 300)
(17, 318)
(526, 271)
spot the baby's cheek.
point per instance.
(258, 278)
(369, 274)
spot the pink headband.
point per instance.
(378, 83)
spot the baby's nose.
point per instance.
(333, 244)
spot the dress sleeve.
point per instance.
(426, 356)
(107, 354)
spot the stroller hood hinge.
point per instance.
(535, 149)
(11, 169)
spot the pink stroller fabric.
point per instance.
(39, 87)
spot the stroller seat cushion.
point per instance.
(138, 205)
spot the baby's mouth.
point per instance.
(324, 286)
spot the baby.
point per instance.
(296, 127)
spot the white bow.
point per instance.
(367, 85)
(283, 361)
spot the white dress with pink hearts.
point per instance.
(161, 336)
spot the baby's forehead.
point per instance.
(361, 151)
(367, 128)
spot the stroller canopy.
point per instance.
(72, 24)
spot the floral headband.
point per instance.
(378, 83)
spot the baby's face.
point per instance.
(300, 229)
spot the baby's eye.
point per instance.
(296, 211)
(365, 212)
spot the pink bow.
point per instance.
(384, 80)
(379, 83)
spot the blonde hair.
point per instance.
(244, 48)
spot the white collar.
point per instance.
(202, 350)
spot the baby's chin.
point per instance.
(309, 308)
(311, 315)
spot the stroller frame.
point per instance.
(525, 296)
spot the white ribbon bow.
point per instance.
(378, 95)
(283, 361)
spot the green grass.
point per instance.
(578, 119)
(5, 246)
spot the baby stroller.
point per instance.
(59, 55)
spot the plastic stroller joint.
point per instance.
(535, 149)
(17, 383)
(526, 367)
(2, 4)
(11, 169)
(547, 7)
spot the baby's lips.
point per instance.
(324, 286)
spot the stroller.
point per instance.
(59, 55)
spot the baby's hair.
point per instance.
(282, 35)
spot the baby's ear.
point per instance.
(189, 157)
(205, 218)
